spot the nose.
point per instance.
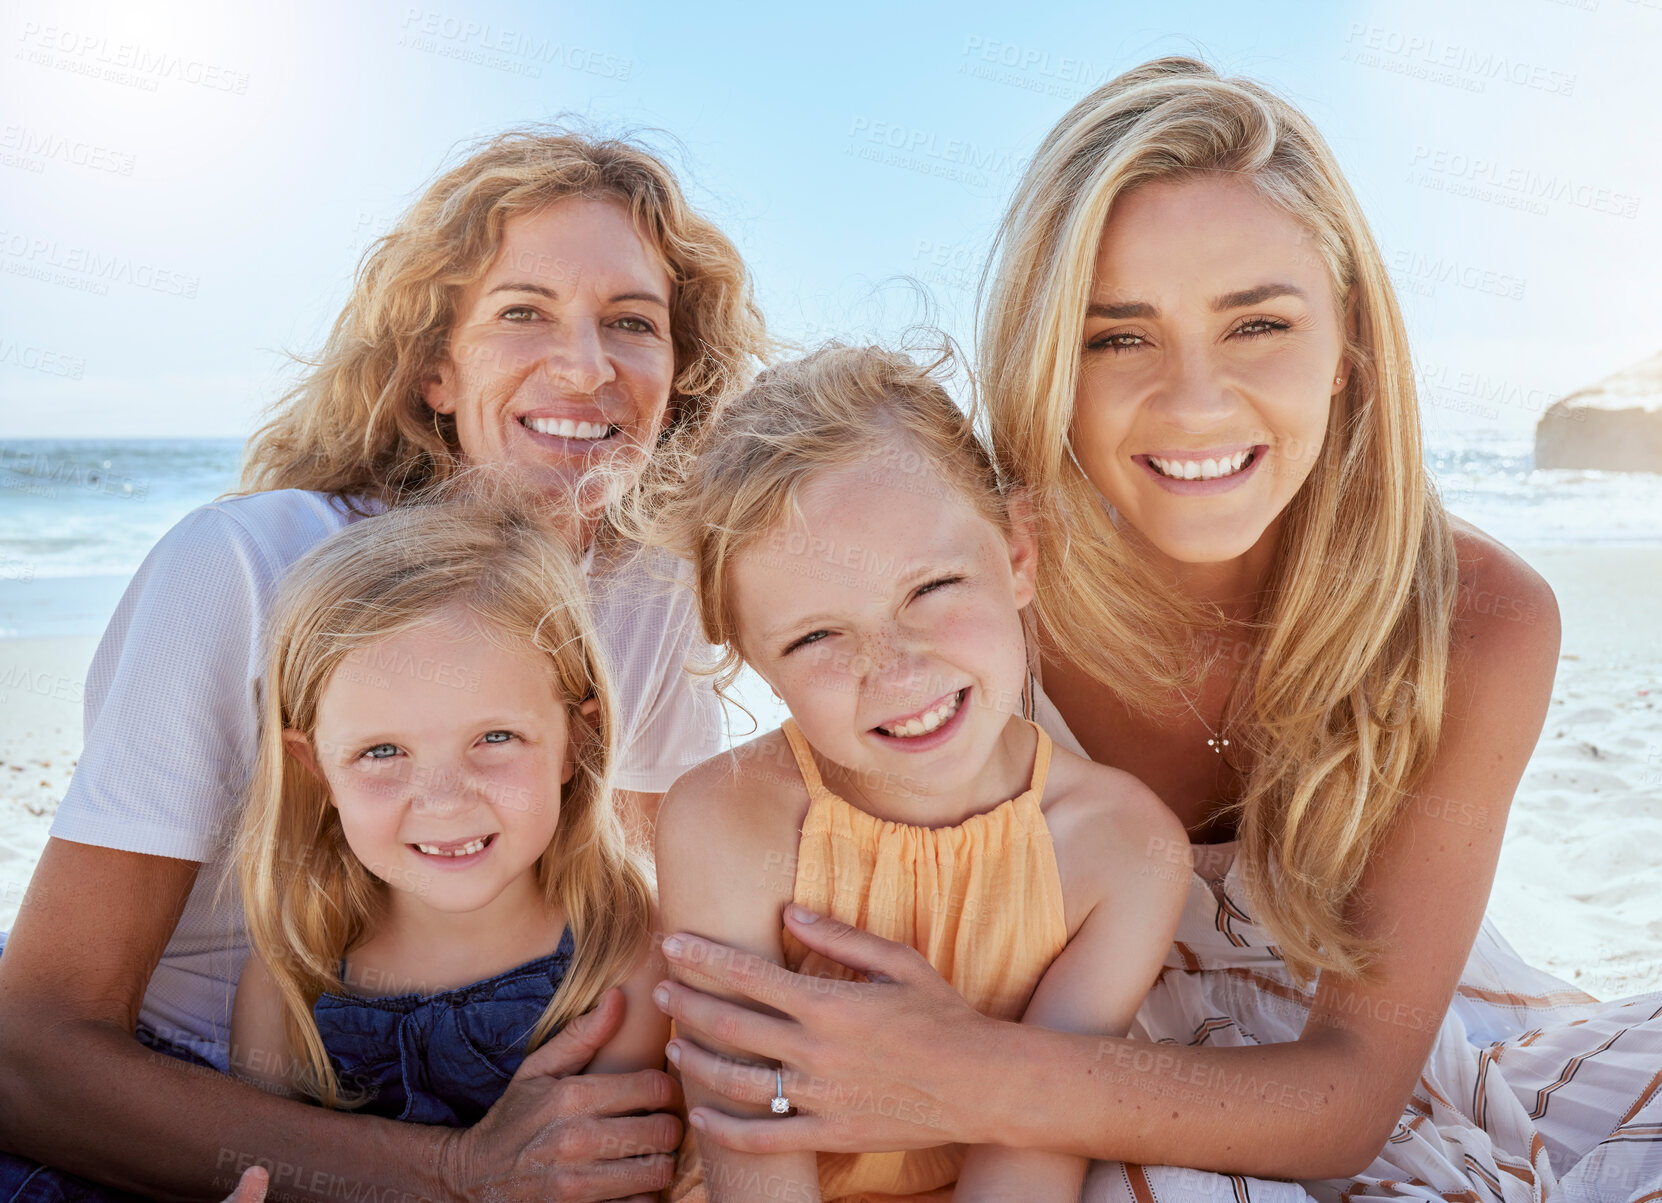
(1194, 397)
(442, 791)
(576, 358)
(896, 667)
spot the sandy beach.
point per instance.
(1579, 890)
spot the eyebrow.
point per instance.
(543, 291)
(1229, 300)
(1256, 296)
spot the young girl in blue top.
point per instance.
(434, 877)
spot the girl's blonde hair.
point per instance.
(836, 407)
(307, 898)
(357, 424)
(1343, 711)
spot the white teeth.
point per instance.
(467, 849)
(929, 720)
(1206, 469)
(565, 428)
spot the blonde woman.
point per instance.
(550, 305)
(1249, 597)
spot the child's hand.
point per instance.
(559, 1134)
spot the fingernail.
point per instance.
(803, 915)
(673, 1051)
(696, 1120)
(661, 997)
(672, 946)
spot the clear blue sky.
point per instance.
(185, 189)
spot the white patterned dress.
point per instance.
(1534, 1090)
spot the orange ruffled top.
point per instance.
(982, 901)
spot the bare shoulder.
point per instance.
(1110, 829)
(1503, 605)
(732, 821)
(748, 791)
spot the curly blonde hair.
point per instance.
(357, 425)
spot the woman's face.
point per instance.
(559, 360)
(1212, 353)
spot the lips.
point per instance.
(924, 721)
(1202, 473)
(572, 429)
(1207, 468)
(455, 849)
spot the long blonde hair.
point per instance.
(836, 407)
(357, 425)
(1343, 711)
(306, 896)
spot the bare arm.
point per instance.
(714, 855)
(1318, 1107)
(260, 1052)
(79, 1093)
(639, 1043)
(1100, 979)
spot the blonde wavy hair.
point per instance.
(357, 426)
(1342, 712)
(836, 407)
(307, 897)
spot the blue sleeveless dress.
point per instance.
(439, 1058)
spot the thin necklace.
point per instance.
(1216, 740)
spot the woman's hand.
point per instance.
(896, 1062)
(559, 1134)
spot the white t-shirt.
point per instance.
(172, 704)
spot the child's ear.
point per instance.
(300, 749)
(1023, 541)
(588, 713)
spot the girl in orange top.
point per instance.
(852, 545)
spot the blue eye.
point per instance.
(381, 752)
(498, 737)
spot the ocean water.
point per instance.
(78, 515)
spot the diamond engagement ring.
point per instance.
(780, 1103)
